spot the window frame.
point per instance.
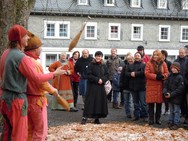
(181, 35)
(106, 4)
(80, 3)
(141, 32)
(109, 31)
(136, 6)
(95, 31)
(168, 35)
(57, 29)
(160, 7)
(183, 7)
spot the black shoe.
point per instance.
(96, 121)
(170, 125)
(151, 122)
(84, 120)
(158, 122)
(174, 127)
(135, 119)
(73, 109)
(129, 116)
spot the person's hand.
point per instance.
(167, 95)
(133, 74)
(159, 77)
(100, 81)
(59, 71)
(55, 93)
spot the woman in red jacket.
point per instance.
(156, 72)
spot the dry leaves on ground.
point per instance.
(114, 132)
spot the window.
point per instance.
(164, 33)
(114, 31)
(137, 32)
(135, 3)
(50, 58)
(185, 4)
(82, 2)
(57, 29)
(91, 30)
(109, 2)
(162, 4)
(184, 34)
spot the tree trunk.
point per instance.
(13, 12)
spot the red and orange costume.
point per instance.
(63, 83)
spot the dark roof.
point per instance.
(121, 9)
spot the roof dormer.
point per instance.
(109, 2)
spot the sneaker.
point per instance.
(145, 119)
(158, 122)
(96, 121)
(84, 120)
(73, 109)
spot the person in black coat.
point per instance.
(165, 55)
(137, 85)
(173, 93)
(96, 102)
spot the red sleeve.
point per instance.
(27, 68)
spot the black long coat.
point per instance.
(96, 102)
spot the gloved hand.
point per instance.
(159, 77)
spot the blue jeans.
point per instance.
(140, 106)
(115, 97)
(127, 102)
(82, 87)
(174, 116)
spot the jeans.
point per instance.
(140, 106)
(115, 97)
(127, 102)
(174, 113)
(82, 88)
(75, 92)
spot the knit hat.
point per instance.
(16, 33)
(140, 48)
(176, 65)
(33, 43)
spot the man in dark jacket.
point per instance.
(182, 60)
(81, 69)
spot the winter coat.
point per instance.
(82, 65)
(124, 80)
(116, 80)
(95, 105)
(112, 65)
(175, 86)
(182, 64)
(74, 76)
(137, 83)
(153, 86)
(186, 75)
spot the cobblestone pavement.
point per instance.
(59, 118)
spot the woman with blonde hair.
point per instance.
(156, 72)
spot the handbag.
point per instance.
(107, 87)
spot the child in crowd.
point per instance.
(116, 89)
(173, 92)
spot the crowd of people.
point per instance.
(139, 80)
